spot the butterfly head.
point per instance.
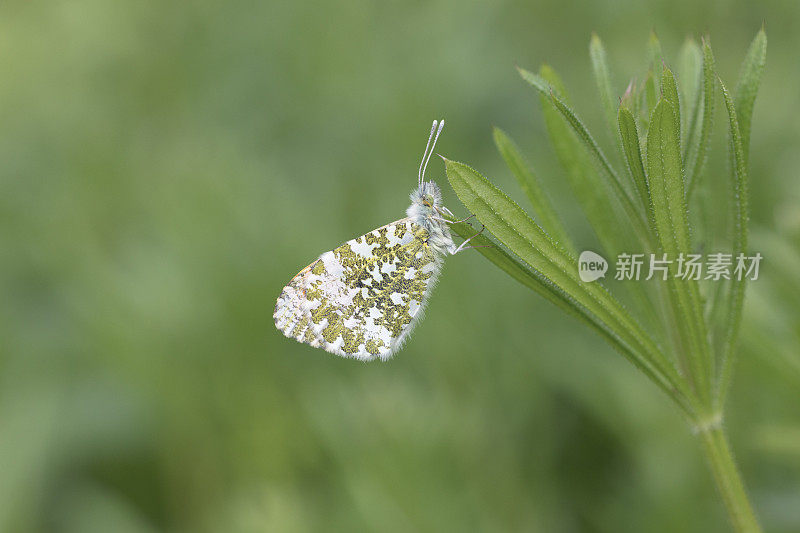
(426, 207)
(426, 201)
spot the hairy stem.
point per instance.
(729, 481)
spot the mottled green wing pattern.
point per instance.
(362, 299)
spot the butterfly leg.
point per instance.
(448, 211)
(463, 246)
(440, 219)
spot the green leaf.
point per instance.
(507, 263)
(747, 87)
(590, 301)
(696, 158)
(530, 184)
(635, 215)
(665, 173)
(551, 77)
(655, 57)
(736, 287)
(633, 156)
(510, 264)
(690, 71)
(665, 176)
(669, 88)
(650, 91)
(594, 197)
(592, 193)
(602, 77)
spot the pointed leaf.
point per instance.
(690, 73)
(596, 307)
(736, 287)
(747, 87)
(602, 77)
(665, 176)
(669, 88)
(552, 78)
(592, 193)
(594, 196)
(650, 92)
(655, 57)
(636, 216)
(510, 265)
(696, 159)
(530, 184)
(633, 156)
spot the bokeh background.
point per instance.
(166, 167)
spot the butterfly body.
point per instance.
(363, 298)
(426, 206)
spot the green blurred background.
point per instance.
(166, 167)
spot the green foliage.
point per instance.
(602, 78)
(698, 151)
(747, 87)
(530, 184)
(736, 287)
(650, 90)
(557, 274)
(633, 156)
(578, 169)
(690, 68)
(655, 55)
(667, 194)
(669, 92)
(623, 196)
(689, 372)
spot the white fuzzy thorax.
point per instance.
(426, 203)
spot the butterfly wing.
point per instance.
(363, 298)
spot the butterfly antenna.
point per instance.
(441, 125)
(425, 154)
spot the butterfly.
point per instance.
(362, 299)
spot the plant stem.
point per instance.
(728, 479)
